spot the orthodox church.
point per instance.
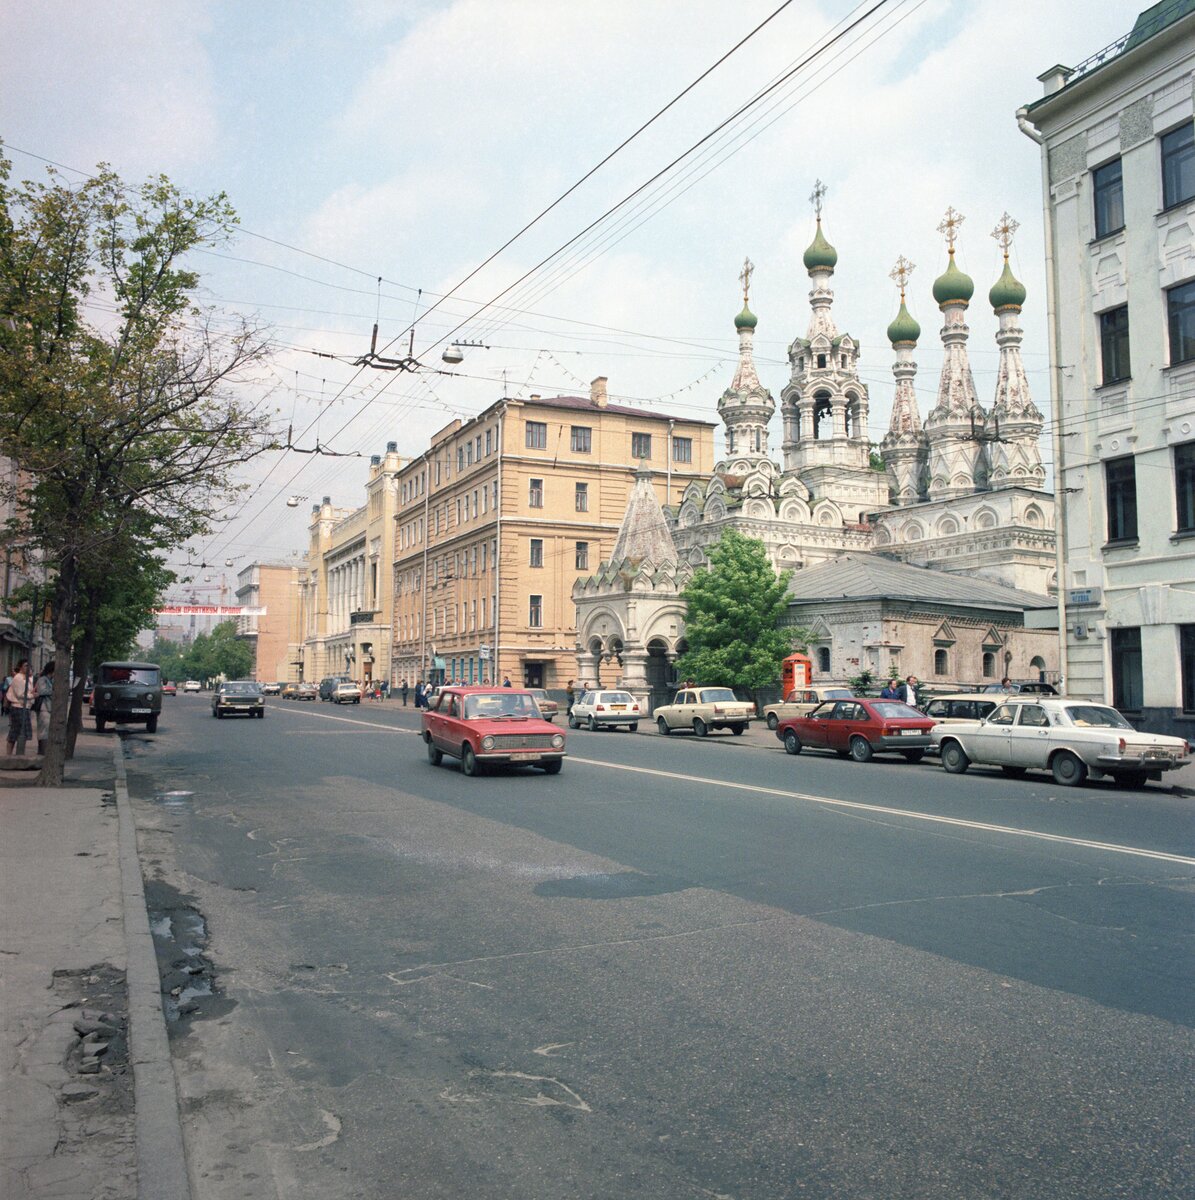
(960, 492)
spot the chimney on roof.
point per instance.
(1055, 79)
(597, 391)
(533, 397)
(391, 447)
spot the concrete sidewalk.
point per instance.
(88, 1107)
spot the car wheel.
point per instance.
(1013, 772)
(633, 727)
(860, 749)
(151, 725)
(469, 764)
(572, 721)
(699, 727)
(592, 724)
(553, 767)
(792, 743)
(434, 755)
(662, 726)
(954, 758)
(261, 714)
(913, 756)
(1069, 770)
(100, 724)
(773, 721)
(738, 730)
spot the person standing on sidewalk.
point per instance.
(20, 699)
(41, 704)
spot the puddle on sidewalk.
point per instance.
(173, 799)
(621, 885)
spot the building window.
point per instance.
(535, 612)
(1126, 669)
(989, 665)
(1186, 660)
(1180, 309)
(495, 493)
(460, 459)
(537, 552)
(582, 439)
(468, 454)
(537, 435)
(535, 493)
(489, 442)
(821, 361)
(1114, 344)
(941, 662)
(682, 450)
(1107, 187)
(477, 447)
(1120, 475)
(581, 497)
(582, 559)
(1184, 486)
(1178, 165)
(641, 445)
(823, 659)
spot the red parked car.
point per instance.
(859, 728)
(485, 726)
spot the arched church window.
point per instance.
(823, 422)
(1038, 664)
(821, 360)
(941, 662)
(801, 363)
(842, 361)
(989, 665)
(757, 442)
(730, 441)
(823, 659)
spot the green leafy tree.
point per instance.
(119, 396)
(219, 654)
(732, 625)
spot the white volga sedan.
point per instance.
(1072, 739)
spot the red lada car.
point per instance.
(859, 728)
(485, 726)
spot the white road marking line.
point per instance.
(855, 805)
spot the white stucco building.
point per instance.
(1118, 161)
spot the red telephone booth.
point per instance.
(796, 672)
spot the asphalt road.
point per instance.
(677, 969)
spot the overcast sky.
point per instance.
(409, 139)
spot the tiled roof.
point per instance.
(873, 577)
(584, 404)
(643, 535)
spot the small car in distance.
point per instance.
(271, 689)
(238, 696)
(548, 708)
(192, 685)
(306, 691)
(702, 709)
(488, 726)
(605, 710)
(169, 688)
(801, 701)
(327, 685)
(1029, 688)
(1071, 739)
(346, 692)
(859, 729)
(290, 691)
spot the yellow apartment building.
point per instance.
(499, 517)
(347, 595)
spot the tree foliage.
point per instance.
(216, 655)
(732, 625)
(119, 395)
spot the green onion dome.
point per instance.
(953, 285)
(903, 328)
(1008, 291)
(820, 255)
(746, 319)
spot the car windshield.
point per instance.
(496, 705)
(1095, 716)
(241, 689)
(838, 694)
(143, 676)
(892, 710)
(716, 695)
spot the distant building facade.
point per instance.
(1118, 158)
(273, 586)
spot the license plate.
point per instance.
(137, 712)
(910, 732)
(1162, 754)
(523, 756)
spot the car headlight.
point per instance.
(558, 741)
(487, 743)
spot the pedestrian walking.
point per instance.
(907, 691)
(406, 692)
(20, 697)
(41, 704)
(889, 690)
(506, 681)
(569, 695)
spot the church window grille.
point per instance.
(1178, 165)
(1126, 668)
(1107, 187)
(1114, 344)
(1180, 309)
(537, 435)
(1184, 486)
(941, 662)
(1120, 475)
(823, 659)
(682, 449)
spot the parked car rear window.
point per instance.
(893, 710)
(718, 695)
(1096, 715)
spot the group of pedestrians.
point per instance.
(901, 689)
(25, 698)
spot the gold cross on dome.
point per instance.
(815, 197)
(745, 277)
(950, 225)
(900, 274)
(1004, 231)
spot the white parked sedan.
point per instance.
(1070, 738)
(192, 685)
(605, 710)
